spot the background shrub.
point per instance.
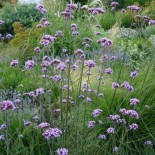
(25, 14)
(107, 20)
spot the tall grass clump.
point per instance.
(81, 102)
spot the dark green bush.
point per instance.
(25, 14)
(124, 19)
(107, 20)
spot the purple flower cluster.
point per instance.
(29, 64)
(39, 91)
(3, 127)
(55, 78)
(115, 149)
(74, 30)
(89, 63)
(131, 113)
(96, 112)
(5, 105)
(91, 124)
(95, 11)
(27, 122)
(62, 151)
(37, 49)
(134, 101)
(149, 143)
(47, 40)
(113, 117)
(133, 126)
(1, 22)
(111, 131)
(151, 22)
(9, 36)
(134, 74)
(68, 13)
(14, 63)
(113, 5)
(61, 66)
(2, 137)
(101, 136)
(41, 8)
(134, 8)
(105, 42)
(115, 85)
(52, 133)
(108, 71)
(44, 125)
(127, 86)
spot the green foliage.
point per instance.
(124, 19)
(25, 14)
(107, 20)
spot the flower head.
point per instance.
(29, 64)
(134, 101)
(62, 151)
(91, 124)
(89, 63)
(133, 126)
(96, 112)
(7, 105)
(14, 63)
(111, 131)
(52, 133)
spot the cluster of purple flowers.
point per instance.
(68, 13)
(134, 101)
(134, 74)
(115, 85)
(62, 66)
(95, 11)
(5, 105)
(37, 49)
(96, 112)
(101, 136)
(108, 71)
(47, 40)
(127, 86)
(116, 119)
(133, 126)
(39, 91)
(113, 5)
(62, 151)
(151, 22)
(111, 131)
(27, 122)
(29, 64)
(74, 30)
(43, 23)
(149, 143)
(41, 8)
(91, 124)
(14, 63)
(134, 8)
(89, 63)
(1, 22)
(105, 42)
(44, 125)
(131, 113)
(3, 127)
(52, 133)
(2, 137)
(55, 78)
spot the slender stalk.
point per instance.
(7, 136)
